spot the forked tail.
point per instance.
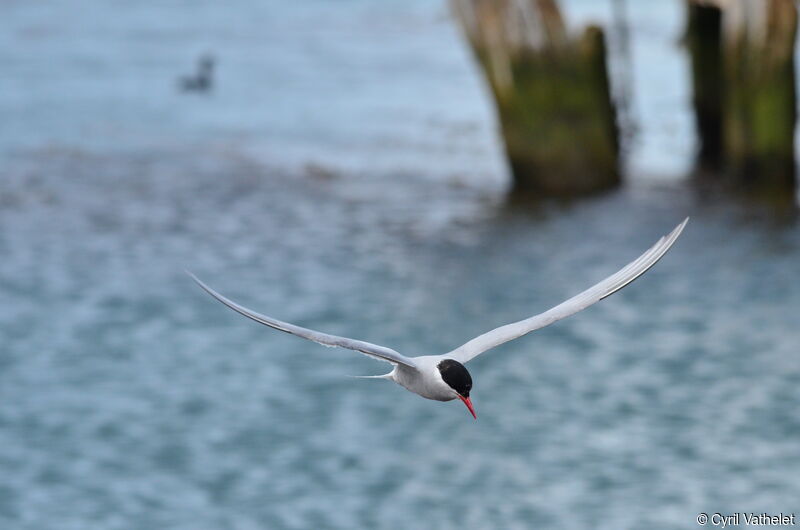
(384, 376)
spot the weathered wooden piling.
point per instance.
(552, 94)
(744, 87)
(704, 41)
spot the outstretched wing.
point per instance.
(605, 288)
(373, 350)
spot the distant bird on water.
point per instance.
(444, 377)
(203, 79)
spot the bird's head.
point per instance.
(456, 376)
(207, 62)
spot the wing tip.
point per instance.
(198, 281)
(679, 229)
(673, 236)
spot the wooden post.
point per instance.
(760, 107)
(704, 40)
(756, 92)
(552, 93)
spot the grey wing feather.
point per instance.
(373, 350)
(577, 303)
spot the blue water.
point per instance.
(344, 174)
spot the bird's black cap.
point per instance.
(456, 376)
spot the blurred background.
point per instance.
(340, 165)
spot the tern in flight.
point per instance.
(444, 377)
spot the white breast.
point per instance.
(426, 380)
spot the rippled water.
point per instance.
(356, 189)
